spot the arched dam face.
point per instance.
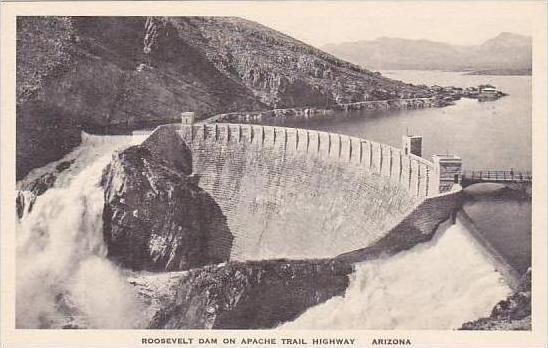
(299, 194)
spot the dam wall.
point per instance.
(418, 226)
(294, 193)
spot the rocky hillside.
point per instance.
(506, 52)
(114, 74)
(280, 70)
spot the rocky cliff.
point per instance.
(114, 74)
(250, 295)
(155, 216)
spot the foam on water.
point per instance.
(438, 285)
(92, 148)
(61, 266)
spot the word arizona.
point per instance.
(394, 341)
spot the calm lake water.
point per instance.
(488, 135)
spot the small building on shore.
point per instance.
(488, 90)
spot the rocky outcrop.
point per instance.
(115, 74)
(30, 188)
(514, 313)
(251, 295)
(155, 216)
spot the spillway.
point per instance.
(437, 285)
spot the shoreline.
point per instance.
(485, 72)
(304, 113)
(501, 72)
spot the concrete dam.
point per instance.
(301, 194)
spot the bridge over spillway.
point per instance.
(470, 177)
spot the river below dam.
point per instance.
(488, 135)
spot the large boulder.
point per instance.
(155, 216)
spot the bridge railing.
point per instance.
(497, 175)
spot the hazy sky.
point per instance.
(318, 23)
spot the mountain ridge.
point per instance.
(504, 51)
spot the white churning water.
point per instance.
(437, 285)
(62, 271)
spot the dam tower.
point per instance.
(187, 118)
(448, 169)
(412, 144)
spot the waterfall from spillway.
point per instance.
(63, 278)
(438, 285)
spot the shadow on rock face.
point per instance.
(155, 216)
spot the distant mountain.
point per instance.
(505, 52)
